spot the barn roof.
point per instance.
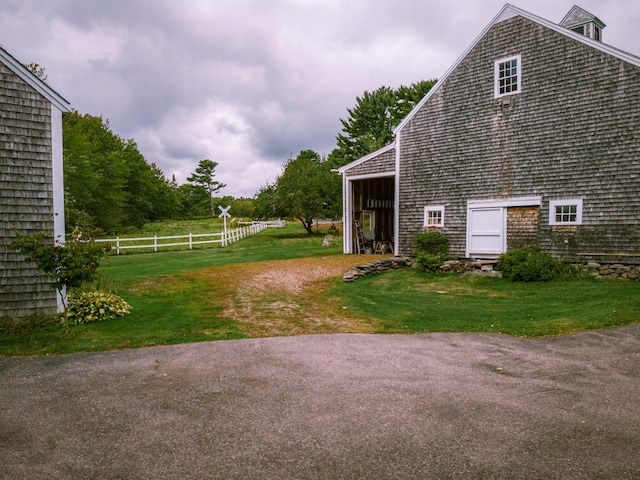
(30, 78)
(510, 11)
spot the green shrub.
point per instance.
(432, 242)
(430, 262)
(98, 306)
(431, 250)
(531, 264)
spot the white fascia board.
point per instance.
(357, 162)
(506, 202)
(507, 12)
(38, 85)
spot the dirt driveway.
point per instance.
(344, 406)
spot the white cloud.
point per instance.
(249, 83)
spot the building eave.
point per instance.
(31, 79)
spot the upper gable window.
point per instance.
(507, 76)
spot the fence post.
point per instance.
(117, 245)
(191, 241)
(155, 243)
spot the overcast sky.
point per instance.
(249, 83)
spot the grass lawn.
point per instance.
(283, 282)
(413, 301)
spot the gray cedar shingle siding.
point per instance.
(26, 193)
(384, 162)
(573, 132)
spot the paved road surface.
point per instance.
(432, 406)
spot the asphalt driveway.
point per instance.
(330, 407)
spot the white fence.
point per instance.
(223, 238)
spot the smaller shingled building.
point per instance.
(31, 183)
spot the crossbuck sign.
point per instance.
(224, 214)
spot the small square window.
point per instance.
(565, 212)
(507, 76)
(433, 216)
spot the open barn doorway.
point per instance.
(371, 212)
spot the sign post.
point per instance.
(224, 214)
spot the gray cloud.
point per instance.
(249, 83)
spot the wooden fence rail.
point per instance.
(222, 238)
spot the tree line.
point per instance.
(110, 185)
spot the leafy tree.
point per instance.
(37, 70)
(266, 203)
(68, 264)
(240, 207)
(193, 201)
(165, 193)
(96, 172)
(204, 177)
(370, 124)
(108, 183)
(307, 189)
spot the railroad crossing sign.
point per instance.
(224, 214)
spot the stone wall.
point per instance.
(614, 270)
(377, 266)
(479, 267)
(483, 267)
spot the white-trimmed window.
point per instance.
(368, 222)
(565, 212)
(434, 216)
(507, 78)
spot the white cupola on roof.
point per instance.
(581, 21)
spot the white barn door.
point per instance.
(486, 228)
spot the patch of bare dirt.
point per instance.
(287, 297)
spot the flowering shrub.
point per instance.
(98, 306)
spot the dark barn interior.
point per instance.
(372, 205)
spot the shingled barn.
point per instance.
(31, 183)
(531, 137)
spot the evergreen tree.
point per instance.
(370, 124)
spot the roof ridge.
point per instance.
(510, 11)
